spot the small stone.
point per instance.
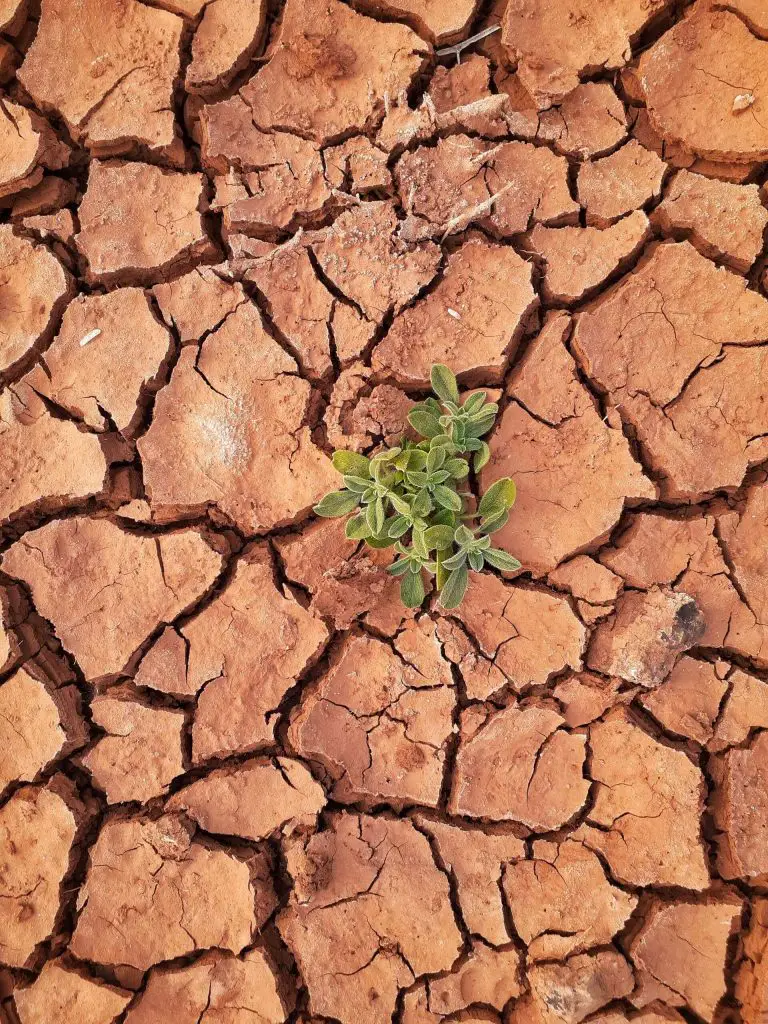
(255, 800)
(530, 634)
(619, 183)
(683, 946)
(647, 808)
(588, 122)
(740, 808)
(69, 997)
(472, 320)
(645, 636)
(488, 976)
(724, 221)
(555, 47)
(545, 897)
(114, 85)
(38, 827)
(251, 631)
(34, 289)
(357, 926)
(475, 859)
(230, 418)
(76, 571)
(520, 766)
(686, 78)
(228, 35)
(107, 356)
(45, 463)
(197, 302)
(37, 726)
(579, 260)
(688, 704)
(141, 753)
(362, 255)
(334, 79)
(387, 741)
(139, 222)
(578, 471)
(217, 986)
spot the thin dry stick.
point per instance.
(458, 47)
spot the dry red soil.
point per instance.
(239, 783)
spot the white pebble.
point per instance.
(89, 337)
(454, 314)
(743, 101)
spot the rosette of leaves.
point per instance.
(414, 496)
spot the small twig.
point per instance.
(466, 218)
(458, 47)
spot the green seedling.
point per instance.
(413, 497)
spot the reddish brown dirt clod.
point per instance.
(691, 78)
(680, 951)
(505, 770)
(37, 727)
(38, 827)
(472, 318)
(647, 806)
(386, 742)
(555, 46)
(437, 21)
(254, 801)
(570, 991)
(76, 571)
(28, 148)
(545, 897)
(579, 260)
(655, 343)
(153, 894)
(138, 221)
(575, 471)
(357, 926)
(475, 859)
(215, 986)
(34, 470)
(752, 979)
(739, 806)
(141, 753)
(99, 378)
(724, 221)
(689, 702)
(318, 83)
(108, 68)
(228, 35)
(488, 976)
(745, 709)
(34, 288)
(624, 181)
(69, 997)
(747, 632)
(230, 418)
(197, 302)
(589, 122)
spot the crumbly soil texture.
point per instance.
(239, 782)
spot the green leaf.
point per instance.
(370, 517)
(480, 424)
(422, 504)
(455, 587)
(435, 458)
(439, 476)
(398, 568)
(447, 498)
(357, 527)
(482, 455)
(441, 441)
(494, 523)
(337, 503)
(433, 406)
(418, 478)
(358, 484)
(438, 538)
(418, 461)
(402, 460)
(399, 504)
(397, 527)
(379, 514)
(424, 422)
(444, 517)
(473, 444)
(498, 498)
(455, 561)
(463, 536)
(351, 464)
(475, 560)
(444, 383)
(458, 468)
(380, 542)
(474, 403)
(412, 589)
(501, 560)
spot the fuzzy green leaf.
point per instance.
(397, 527)
(438, 537)
(424, 422)
(501, 560)
(358, 484)
(400, 567)
(474, 403)
(380, 542)
(337, 503)
(447, 498)
(482, 455)
(412, 589)
(357, 528)
(455, 561)
(435, 458)
(455, 588)
(475, 560)
(351, 464)
(458, 468)
(493, 523)
(444, 383)
(498, 498)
